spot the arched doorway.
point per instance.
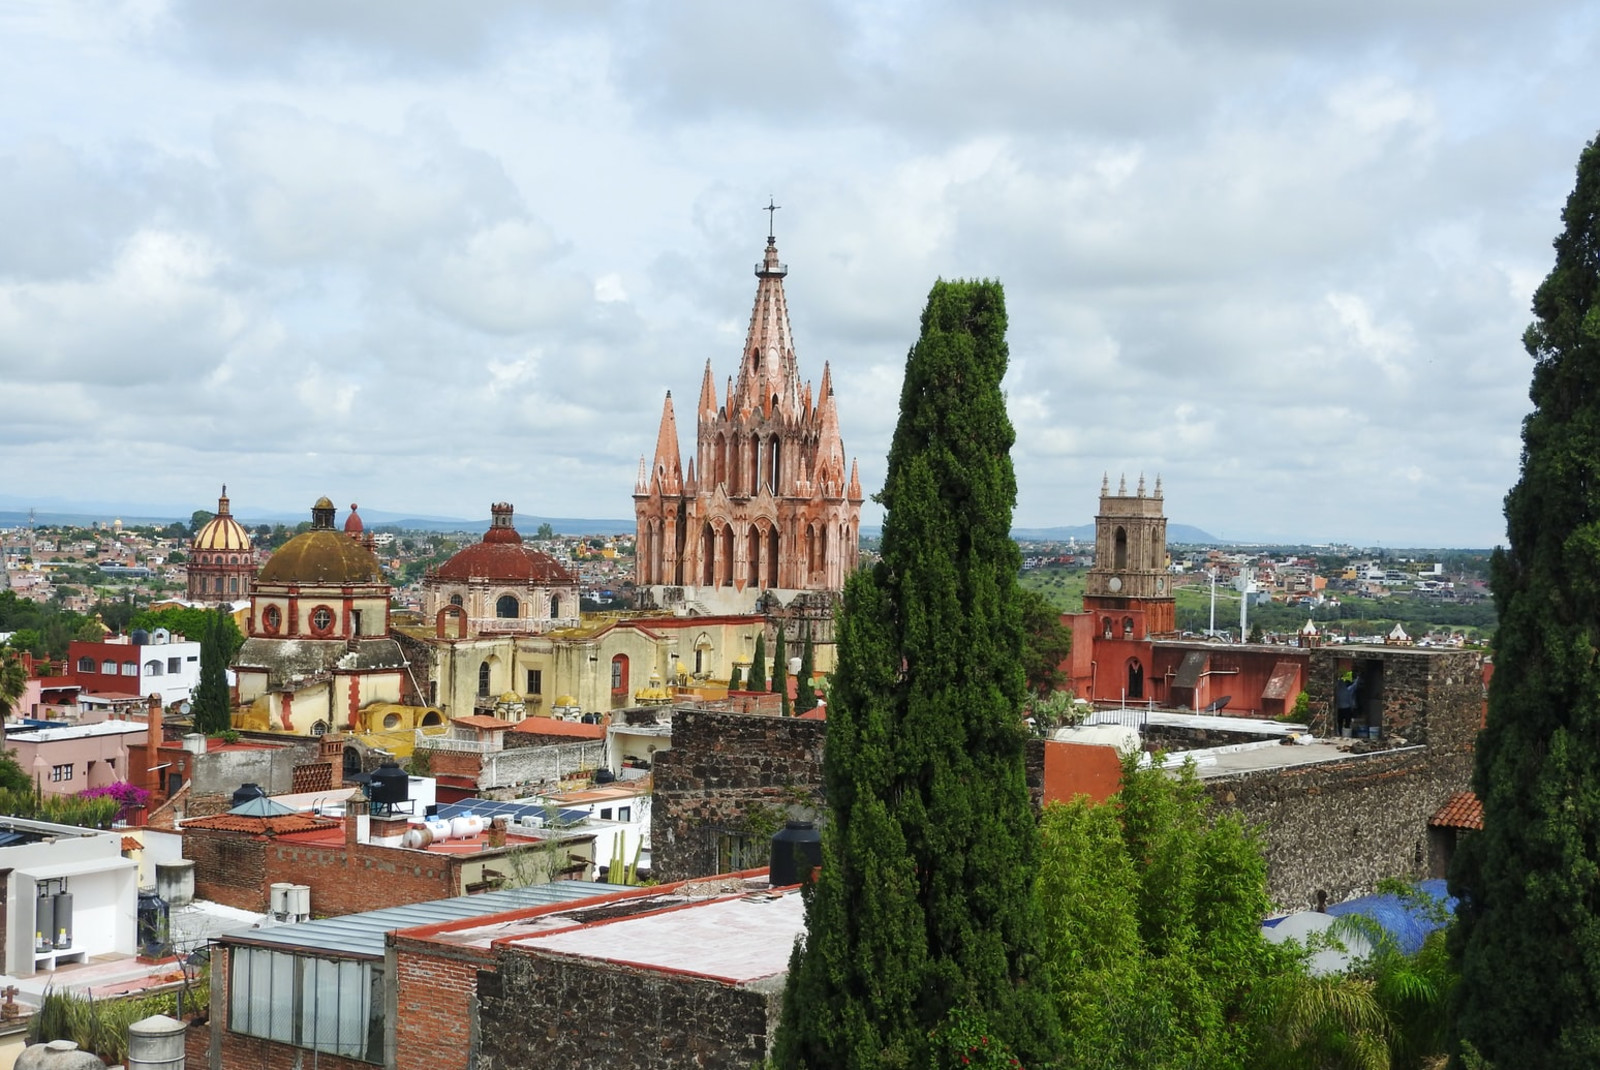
(1135, 679)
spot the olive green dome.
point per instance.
(322, 555)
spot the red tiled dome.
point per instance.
(352, 523)
(502, 558)
(510, 562)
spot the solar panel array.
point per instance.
(513, 811)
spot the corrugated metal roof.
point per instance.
(361, 935)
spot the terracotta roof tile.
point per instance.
(549, 726)
(262, 826)
(477, 720)
(1461, 811)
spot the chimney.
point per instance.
(152, 746)
(355, 816)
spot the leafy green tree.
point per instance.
(1046, 642)
(805, 695)
(27, 639)
(191, 622)
(780, 670)
(758, 663)
(13, 778)
(924, 911)
(1528, 925)
(212, 706)
(199, 519)
(1153, 912)
(545, 531)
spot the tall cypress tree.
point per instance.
(780, 671)
(211, 707)
(805, 694)
(924, 904)
(758, 663)
(1528, 939)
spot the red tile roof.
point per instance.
(480, 721)
(1461, 811)
(550, 726)
(263, 826)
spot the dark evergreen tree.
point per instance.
(758, 663)
(924, 907)
(1046, 642)
(211, 707)
(805, 690)
(734, 679)
(1528, 938)
(780, 671)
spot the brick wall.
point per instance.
(371, 879)
(728, 772)
(552, 1011)
(229, 868)
(436, 1003)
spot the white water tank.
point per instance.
(156, 1043)
(175, 882)
(300, 902)
(280, 900)
(438, 828)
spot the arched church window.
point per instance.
(1105, 625)
(456, 600)
(233, 585)
(555, 606)
(1119, 554)
(1135, 678)
(506, 606)
(619, 673)
(1127, 627)
(483, 680)
(271, 618)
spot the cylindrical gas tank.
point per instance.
(44, 921)
(439, 828)
(417, 837)
(474, 824)
(63, 920)
(461, 826)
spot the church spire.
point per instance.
(769, 365)
(708, 393)
(668, 466)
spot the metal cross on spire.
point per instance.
(771, 210)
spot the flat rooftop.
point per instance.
(737, 938)
(1216, 762)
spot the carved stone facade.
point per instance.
(767, 502)
(1130, 562)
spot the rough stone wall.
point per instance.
(1174, 738)
(553, 1011)
(1343, 826)
(220, 772)
(436, 1003)
(729, 772)
(508, 774)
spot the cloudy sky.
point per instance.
(426, 256)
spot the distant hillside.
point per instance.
(1176, 533)
(374, 518)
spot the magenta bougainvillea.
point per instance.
(129, 797)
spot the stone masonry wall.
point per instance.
(508, 774)
(1343, 826)
(729, 773)
(551, 1011)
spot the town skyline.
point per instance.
(428, 260)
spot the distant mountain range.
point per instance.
(1179, 533)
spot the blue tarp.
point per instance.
(1408, 924)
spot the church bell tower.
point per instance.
(1130, 558)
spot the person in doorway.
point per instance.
(1345, 701)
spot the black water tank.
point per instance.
(604, 776)
(140, 637)
(796, 851)
(389, 784)
(152, 923)
(245, 792)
